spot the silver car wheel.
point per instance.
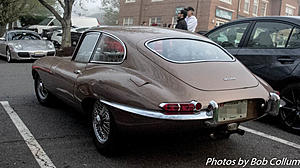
(8, 55)
(42, 91)
(101, 122)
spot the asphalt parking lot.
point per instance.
(63, 135)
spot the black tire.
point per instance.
(8, 56)
(104, 129)
(42, 94)
(289, 114)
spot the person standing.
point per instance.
(181, 23)
(191, 20)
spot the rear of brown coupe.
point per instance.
(153, 79)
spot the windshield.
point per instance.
(23, 36)
(187, 50)
(45, 22)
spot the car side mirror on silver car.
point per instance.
(2, 39)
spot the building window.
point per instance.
(128, 21)
(227, 1)
(246, 6)
(255, 7)
(289, 10)
(224, 14)
(129, 1)
(264, 6)
(155, 21)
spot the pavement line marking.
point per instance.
(283, 141)
(35, 148)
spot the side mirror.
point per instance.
(2, 39)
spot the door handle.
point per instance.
(285, 60)
(77, 71)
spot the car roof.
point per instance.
(292, 19)
(136, 34)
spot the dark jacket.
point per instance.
(181, 24)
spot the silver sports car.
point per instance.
(24, 44)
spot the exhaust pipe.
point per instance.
(230, 129)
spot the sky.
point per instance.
(86, 7)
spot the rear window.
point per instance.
(188, 50)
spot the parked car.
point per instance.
(24, 45)
(270, 48)
(56, 37)
(52, 22)
(148, 78)
(48, 23)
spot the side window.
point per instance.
(230, 36)
(294, 41)
(109, 50)
(87, 46)
(9, 36)
(269, 35)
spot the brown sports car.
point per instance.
(147, 78)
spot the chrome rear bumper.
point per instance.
(273, 104)
(201, 115)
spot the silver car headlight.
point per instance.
(50, 45)
(18, 46)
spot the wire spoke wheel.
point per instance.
(101, 122)
(290, 113)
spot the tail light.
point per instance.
(181, 107)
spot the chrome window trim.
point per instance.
(78, 47)
(114, 37)
(185, 62)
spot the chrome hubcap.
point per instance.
(42, 91)
(101, 122)
(8, 55)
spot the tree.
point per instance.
(10, 10)
(65, 19)
(111, 11)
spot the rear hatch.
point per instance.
(200, 63)
(214, 75)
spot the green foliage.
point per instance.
(27, 20)
(111, 11)
(11, 10)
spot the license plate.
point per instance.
(39, 53)
(232, 111)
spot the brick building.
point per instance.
(210, 13)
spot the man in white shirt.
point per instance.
(191, 20)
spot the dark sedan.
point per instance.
(270, 48)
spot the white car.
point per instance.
(51, 22)
(56, 37)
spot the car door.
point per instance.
(265, 51)
(230, 36)
(67, 72)
(105, 65)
